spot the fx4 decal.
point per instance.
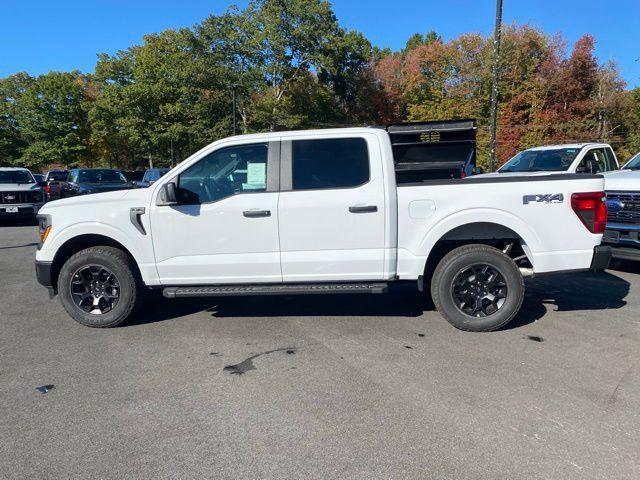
(543, 198)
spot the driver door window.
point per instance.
(224, 228)
(223, 173)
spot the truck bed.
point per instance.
(552, 235)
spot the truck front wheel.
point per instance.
(477, 288)
(97, 287)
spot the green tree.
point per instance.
(418, 39)
(52, 118)
(12, 143)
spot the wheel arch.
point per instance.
(81, 242)
(481, 232)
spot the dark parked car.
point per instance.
(134, 176)
(150, 176)
(53, 181)
(83, 181)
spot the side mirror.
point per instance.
(478, 170)
(167, 195)
(582, 169)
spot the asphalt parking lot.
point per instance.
(321, 387)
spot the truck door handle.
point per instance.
(256, 213)
(363, 208)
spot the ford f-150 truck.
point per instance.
(623, 204)
(319, 211)
(20, 195)
(568, 158)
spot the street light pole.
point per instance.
(233, 100)
(494, 86)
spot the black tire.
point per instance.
(449, 281)
(122, 280)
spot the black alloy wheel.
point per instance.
(94, 289)
(479, 290)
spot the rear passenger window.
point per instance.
(610, 159)
(597, 160)
(330, 163)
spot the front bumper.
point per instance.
(601, 258)
(623, 253)
(624, 239)
(43, 274)
(24, 210)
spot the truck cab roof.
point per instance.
(14, 169)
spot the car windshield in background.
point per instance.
(102, 176)
(634, 163)
(551, 160)
(16, 176)
(57, 176)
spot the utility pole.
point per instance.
(234, 86)
(494, 86)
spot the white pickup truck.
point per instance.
(319, 211)
(623, 204)
(566, 158)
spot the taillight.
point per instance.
(591, 210)
(47, 188)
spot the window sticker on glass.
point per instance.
(256, 176)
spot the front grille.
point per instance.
(630, 208)
(15, 197)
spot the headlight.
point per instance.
(44, 227)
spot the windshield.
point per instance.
(102, 176)
(551, 160)
(57, 176)
(16, 176)
(634, 163)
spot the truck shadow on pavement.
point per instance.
(32, 244)
(562, 292)
(567, 292)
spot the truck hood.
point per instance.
(135, 197)
(620, 180)
(104, 187)
(18, 187)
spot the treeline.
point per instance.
(293, 66)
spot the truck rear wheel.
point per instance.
(477, 288)
(98, 288)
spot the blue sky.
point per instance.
(42, 35)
